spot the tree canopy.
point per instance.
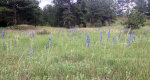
(67, 13)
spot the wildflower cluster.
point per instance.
(50, 39)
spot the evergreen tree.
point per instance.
(99, 14)
(80, 11)
(19, 11)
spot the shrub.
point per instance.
(135, 20)
(43, 32)
(19, 27)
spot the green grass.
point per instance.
(71, 59)
(147, 23)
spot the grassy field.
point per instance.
(64, 54)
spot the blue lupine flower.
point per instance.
(50, 38)
(113, 39)
(124, 30)
(88, 40)
(47, 48)
(80, 34)
(51, 45)
(101, 36)
(119, 37)
(130, 34)
(75, 29)
(129, 41)
(3, 33)
(134, 37)
(70, 35)
(15, 41)
(32, 34)
(122, 40)
(33, 51)
(109, 34)
(31, 54)
(86, 34)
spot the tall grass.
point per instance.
(71, 59)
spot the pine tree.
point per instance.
(19, 11)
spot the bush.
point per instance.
(43, 32)
(135, 20)
(19, 27)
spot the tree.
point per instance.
(64, 14)
(80, 11)
(49, 13)
(101, 13)
(135, 20)
(19, 11)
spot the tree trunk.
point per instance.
(130, 30)
(15, 13)
(92, 20)
(69, 7)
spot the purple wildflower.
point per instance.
(129, 41)
(32, 34)
(113, 39)
(3, 33)
(130, 34)
(51, 45)
(15, 41)
(119, 37)
(134, 37)
(109, 33)
(101, 36)
(47, 48)
(88, 40)
(50, 38)
(33, 51)
(80, 34)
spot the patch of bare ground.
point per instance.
(39, 29)
(25, 25)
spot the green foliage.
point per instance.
(101, 13)
(27, 12)
(135, 20)
(81, 12)
(43, 32)
(49, 15)
(18, 27)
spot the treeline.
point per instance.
(67, 13)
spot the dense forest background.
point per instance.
(67, 13)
